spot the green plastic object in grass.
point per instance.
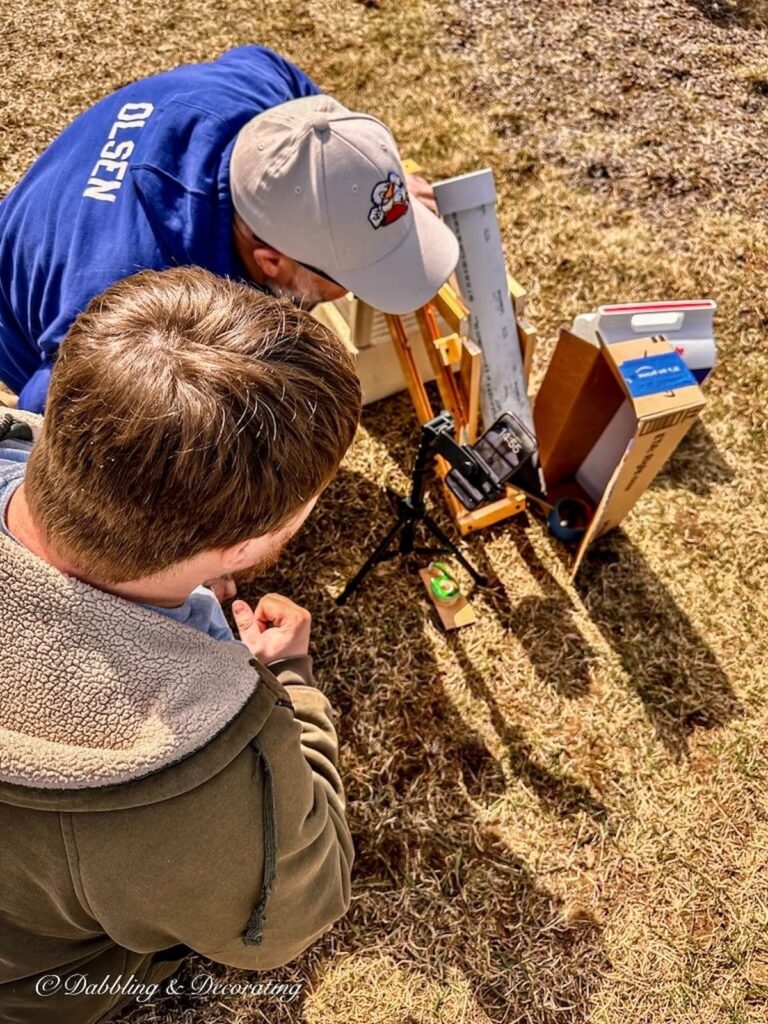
(444, 586)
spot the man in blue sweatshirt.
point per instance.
(239, 166)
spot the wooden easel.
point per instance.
(456, 362)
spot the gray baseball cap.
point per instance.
(325, 186)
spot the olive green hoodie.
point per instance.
(160, 792)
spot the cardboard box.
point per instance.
(607, 418)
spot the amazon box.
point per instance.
(607, 418)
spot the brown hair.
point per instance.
(186, 412)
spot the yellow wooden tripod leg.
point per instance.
(413, 381)
(446, 382)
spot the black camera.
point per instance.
(505, 453)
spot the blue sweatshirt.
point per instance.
(139, 181)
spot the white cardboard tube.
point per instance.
(468, 205)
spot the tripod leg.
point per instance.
(380, 554)
(446, 541)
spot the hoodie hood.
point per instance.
(97, 691)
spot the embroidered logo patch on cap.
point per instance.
(390, 201)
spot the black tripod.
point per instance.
(410, 512)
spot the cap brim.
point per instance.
(411, 274)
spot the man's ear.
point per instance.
(242, 555)
(268, 260)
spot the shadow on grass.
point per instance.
(443, 889)
(673, 670)
(559, 795)
(696, 465)
(670, 666)
(545, 623)
(746, 13)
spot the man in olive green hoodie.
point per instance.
(164, 787)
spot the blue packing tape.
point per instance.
(653, 374)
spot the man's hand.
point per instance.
(419, 188)
(276, 628)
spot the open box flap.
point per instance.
(656, 439)
(566, 416)
(601, 514)
(612, 415)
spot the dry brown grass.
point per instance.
(560, 814)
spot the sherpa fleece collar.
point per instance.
(97, 691)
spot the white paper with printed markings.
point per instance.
(468, 206)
